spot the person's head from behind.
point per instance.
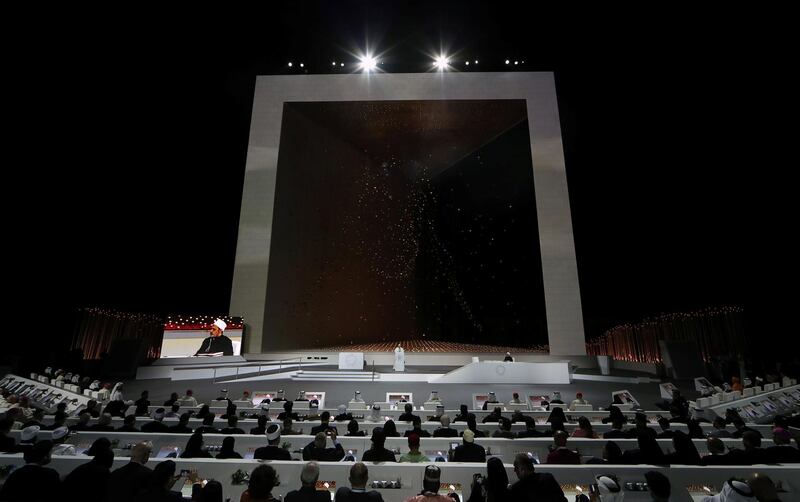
(325, 417)
(413, 443)
(751, 440)
(618, 423)
(560, 439)
(505, 424)
(287, 406)
(163, 475)
(184, 419)
(129, 420)
(497, 411)
(320, 440)
(211, 492)
(432, 479)
(497, 479)
(408, 407)
(378, 437)
(612, 452)
(310, 474)
(145, 394)
(228, 444)
(273, 433)
(445, 420)
(739, 424)
(781, 436)
(472, 423)
(141, 451)
(464, 409)
(262, 481)
(173, 396)
(523, 465)
(664, 423)
(195, 443)
(104, 458)
(39, 453)
(208, 420)
(352, 427)
(579, 395)
(359, 474)
(233, 421)
(176, 407)
(658, 485)
(203, 410)
(287, 424)
(416, 422)
(763, 487)
(389, 428)
(584, 423)
(715, 446)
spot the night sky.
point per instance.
(126, 151)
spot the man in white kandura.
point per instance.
(399, 359)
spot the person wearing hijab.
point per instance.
(216, 342)
(194, 447)
(342, 415)
(492, 488)
(612, 454)
(287, 411)
(584, 429)
(463, 414)
(203, 412)
(352, 429)
(227, 450)
(390, 429)
(648, 452)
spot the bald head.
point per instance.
(445, 419)
(310, 474)
(141, 452)
(359, 474)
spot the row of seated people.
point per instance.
(135, 482)
(649, 450)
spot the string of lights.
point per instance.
(369, 62)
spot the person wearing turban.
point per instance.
(217, 342)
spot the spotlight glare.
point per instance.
(467, 63)
(301, 65)
(441, 62)
(515, 62)
(333, 64)
(507, 61)
(290, 64)
(368, 63)
(476, 61)
(342, 64)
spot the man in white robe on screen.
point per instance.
(399, 359)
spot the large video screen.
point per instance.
(398, 220)
(190, 336)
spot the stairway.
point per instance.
(337, 375)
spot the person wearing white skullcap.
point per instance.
(217, 343)
(733, 490)
(609, 489)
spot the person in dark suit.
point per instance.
(417, 429)
(534, 486)
(783, 451)
(445, 431)
(182, 427)
(325, 419)
(216, 342)
(352, 429)
(308, 491)
(561, 454)
(128, 424)
(287, 412)
(261, 428)
(272, 451)
(233, 426)
(617, 431)
(357, 492)
(316, 449)
(33, 482)
(463, 414)
(125, 483)
(378, 453)
(468, 451)
(94, 473)
(408, 416)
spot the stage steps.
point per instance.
(335, 375)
